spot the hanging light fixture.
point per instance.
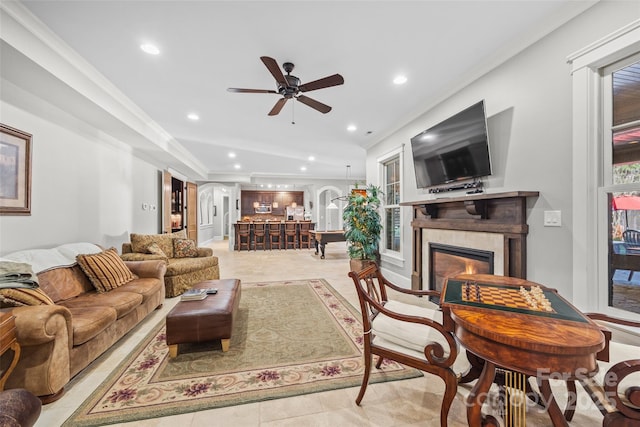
(332, 205)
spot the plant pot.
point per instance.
(359, 264)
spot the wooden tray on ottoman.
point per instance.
(205, 320)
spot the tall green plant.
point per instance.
(362, 224)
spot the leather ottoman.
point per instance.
(205, 320)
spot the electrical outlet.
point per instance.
(552, 218)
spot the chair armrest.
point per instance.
(434, 351)
(149, 269)
(610, 319)
(613, 378)
(204, 252)
(415, 292)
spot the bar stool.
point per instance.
(304, 235)
(290, 234)
(274, 235)
(259, 235)
(243, 235)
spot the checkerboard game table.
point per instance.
(204, 320)
(520, 326)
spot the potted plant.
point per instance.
(362, 226)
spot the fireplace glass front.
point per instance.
(448, 261)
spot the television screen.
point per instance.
(455, 149)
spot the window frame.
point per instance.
(393, 257)
(590, 187)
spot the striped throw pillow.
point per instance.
(105, 270)
(19, 297)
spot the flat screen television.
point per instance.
(456, 149)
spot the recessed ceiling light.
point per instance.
(232, 155)
(303, 168)
(237, 166)
(400, 80)
(149, 48)
(352, 128)
(311, 158)
(193, 116)
(269, 186)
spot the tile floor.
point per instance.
(402, 403)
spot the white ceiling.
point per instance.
(208, 46)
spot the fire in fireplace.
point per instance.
(447, 261)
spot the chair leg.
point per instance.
(451, 387)
(365, 377)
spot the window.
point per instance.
(391, 186)
(603, 169)
(621, 181)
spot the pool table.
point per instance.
(323, 237)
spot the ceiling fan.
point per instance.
(289, 86)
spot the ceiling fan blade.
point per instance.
(274, 69)
(323, 108)
(329, 81)
(236, 90)
(276, 108)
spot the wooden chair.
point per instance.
(290, 234)
(275, 237)
(615, 389)
(304, 236)
(243, 235)
(408, 334)
(259, 235)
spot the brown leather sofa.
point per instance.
(59, 340)
(182, 271)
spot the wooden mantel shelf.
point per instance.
(503, 213)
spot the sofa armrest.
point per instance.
(204, 252)
(36, 325)
(45, 335)
(149, 269)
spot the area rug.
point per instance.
(289, 338)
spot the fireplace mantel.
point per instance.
(502, 213)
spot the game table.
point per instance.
(493, 320)
(323, 237)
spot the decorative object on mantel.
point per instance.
(15, 171)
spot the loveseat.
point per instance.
(186, 263)
(68, 321)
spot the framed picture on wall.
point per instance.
(15, 171)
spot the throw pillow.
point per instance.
(105, 270)
(184, 248)
(19, 297)
(182, 234)
(154, 249)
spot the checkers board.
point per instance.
(506, 298)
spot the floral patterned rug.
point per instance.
(289, 338)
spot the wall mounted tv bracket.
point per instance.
(475, 186)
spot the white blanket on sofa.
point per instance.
(45, 259)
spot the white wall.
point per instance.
(85, 186)
(528, 101)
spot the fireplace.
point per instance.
(448, 261)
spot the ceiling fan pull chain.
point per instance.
(293, 121)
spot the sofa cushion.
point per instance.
(147, 287)
(64, 283)
(184, 248)
(18, 297)
(140, 243)
(90, 321)
(105, 270)
(154, 249)
(177, 266)
(122, 302)
(136, 256)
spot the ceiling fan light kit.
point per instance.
(289, 87)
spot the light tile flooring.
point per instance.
(402, 403)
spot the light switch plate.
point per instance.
(552, 218)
